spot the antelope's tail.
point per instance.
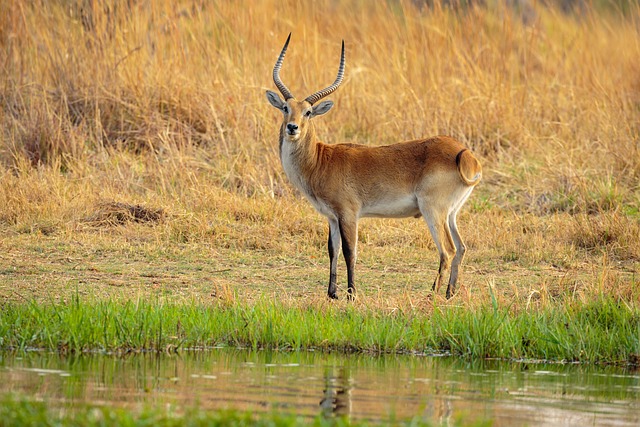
(469, 167)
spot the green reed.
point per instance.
(602, 331)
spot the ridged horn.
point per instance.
(312, 99)
(276, 72)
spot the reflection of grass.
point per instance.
(15, 411)
(602, 331)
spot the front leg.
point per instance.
(349, 235)
(334, 250)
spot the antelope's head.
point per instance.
(297, 114)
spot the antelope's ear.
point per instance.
(275, 100)
(322, 108)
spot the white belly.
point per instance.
(397, 207)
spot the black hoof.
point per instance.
(333, 296)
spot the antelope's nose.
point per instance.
(292, 127)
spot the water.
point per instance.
(360, 387)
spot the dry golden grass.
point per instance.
(159, 107)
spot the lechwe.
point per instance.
(429, 177)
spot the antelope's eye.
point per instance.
(285, 109)
(308, 113)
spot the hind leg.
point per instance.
(441, 234)
(457, 259)
(461, 248)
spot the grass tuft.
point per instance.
(118, 213)
(603, 331)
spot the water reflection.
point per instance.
(336, 396)
(357, 387)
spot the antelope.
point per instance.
(430, 177)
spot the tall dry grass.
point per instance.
(161, 104)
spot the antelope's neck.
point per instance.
(299, 160)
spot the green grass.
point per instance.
(15, 411)
(603, 331)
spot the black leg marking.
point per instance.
(349, 235)
(333, 247)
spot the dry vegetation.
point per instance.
(138, 154)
